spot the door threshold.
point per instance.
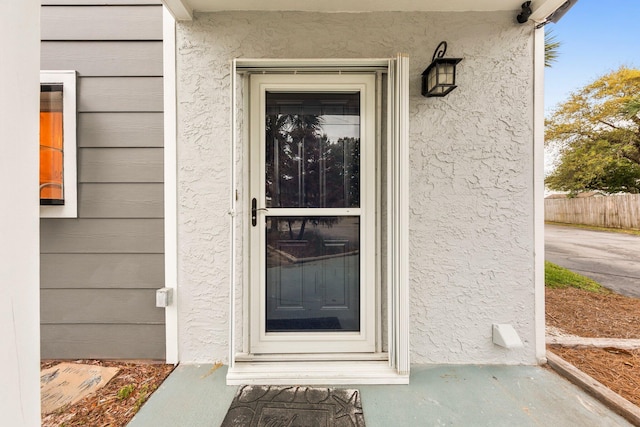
(305, 357)
(316, 372)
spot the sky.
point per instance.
(597, 37)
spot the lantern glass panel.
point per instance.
(447, 75)
(432, 79)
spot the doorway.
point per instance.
(312, 229)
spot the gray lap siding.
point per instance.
(99, 272)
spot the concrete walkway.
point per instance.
(196, 395)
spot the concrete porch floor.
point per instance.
(196, 395)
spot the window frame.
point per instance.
(69, 145)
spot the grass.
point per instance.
(142, 397)
(125, 391)
(556, 277)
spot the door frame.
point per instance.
(363, 341)
(389, 367)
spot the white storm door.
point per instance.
(312, 207)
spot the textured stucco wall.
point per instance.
(471, 213)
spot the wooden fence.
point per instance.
(618, 211)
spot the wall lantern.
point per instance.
(440, 76)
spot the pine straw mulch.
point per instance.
(117, 402)
(573, 311)
(599, 315)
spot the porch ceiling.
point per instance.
(183, 9)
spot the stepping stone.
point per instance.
(67, 383)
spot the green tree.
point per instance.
(597, 133)
(632, 107)
(551, 49)
(596, 166)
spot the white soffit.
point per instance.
(183, 9)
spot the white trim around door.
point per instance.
(326, 357)
(170, 186)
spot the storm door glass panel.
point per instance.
(312, 161)
(312, 150)
(313, 274)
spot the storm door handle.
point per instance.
(254, 211)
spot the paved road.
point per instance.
(611, 259)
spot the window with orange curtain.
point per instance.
(51, 145)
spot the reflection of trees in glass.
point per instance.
(288, 235)
(305, 169)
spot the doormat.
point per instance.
(294, 406)
(67, 383)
